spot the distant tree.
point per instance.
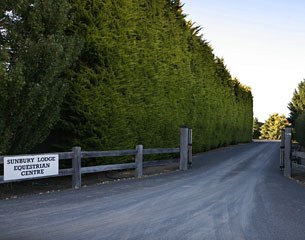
(297, 104)
(271, 129)
(256, 128)
(35, 50)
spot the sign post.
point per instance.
(30, 166)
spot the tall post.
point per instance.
(183, 148)
(282, 146)
(76, 166)
(139, 161)
(190, 148)
(287, 153)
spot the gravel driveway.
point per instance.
(233, 193)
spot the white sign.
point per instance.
(30, 166)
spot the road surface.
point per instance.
(233, 193)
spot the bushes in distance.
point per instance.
(273, 126)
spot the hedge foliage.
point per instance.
(299, 129)
(143, 72)
(35, 52)
(115, 74)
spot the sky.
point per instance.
(262, 43)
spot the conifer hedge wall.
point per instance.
(143, 72)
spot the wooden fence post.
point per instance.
(190, 148)
(139, 161)
(282, 149)
(183, 148)
(76, 166)
(287, 153)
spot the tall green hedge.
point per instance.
(143, 72)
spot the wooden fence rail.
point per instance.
(77, 155)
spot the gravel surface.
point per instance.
(232, 193)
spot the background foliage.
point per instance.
(299, 129)
(297, 114)
(143, 71)
(297, 104)
(273, 126)
(256, 128)
(35, 51)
